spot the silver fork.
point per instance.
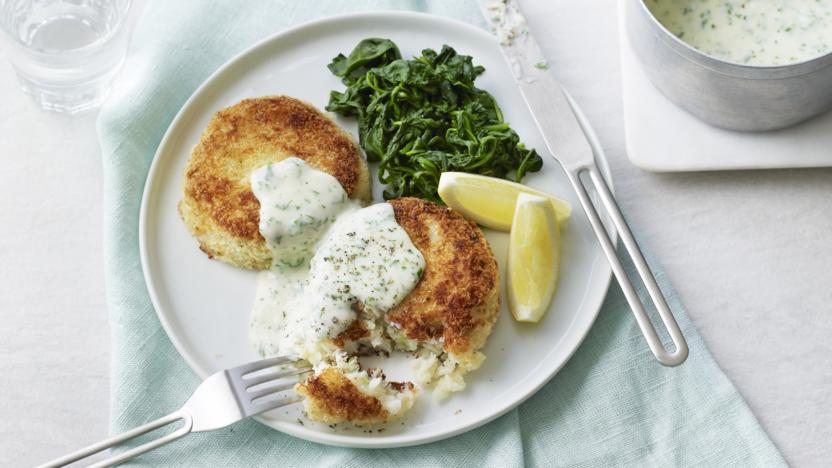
(222, 399)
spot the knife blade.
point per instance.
(544, 96)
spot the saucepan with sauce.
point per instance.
(749, 65)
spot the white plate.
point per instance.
(204, 304)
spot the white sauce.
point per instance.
(366, 257)
(509, 25)
(360, 255)
(297, 206)
(754, 32)
(507, 21)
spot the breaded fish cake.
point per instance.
(342, 392)
(218, 206)
(457, 300)
(446, 319)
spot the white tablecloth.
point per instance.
(749, 252)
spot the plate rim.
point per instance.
(594, 298)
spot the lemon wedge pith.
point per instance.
(533, 258)
(490, 201)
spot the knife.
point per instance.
(566, 141)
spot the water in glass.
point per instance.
(65, 52)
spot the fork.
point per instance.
(220, 400)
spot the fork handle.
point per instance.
(664, 356)
(123, 437)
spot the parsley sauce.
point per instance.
(297, 206)
(329, 254)
(753, 32)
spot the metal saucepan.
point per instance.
(725, 94)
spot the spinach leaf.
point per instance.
(368, 54)
(421, 117)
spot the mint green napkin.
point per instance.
(613, 404)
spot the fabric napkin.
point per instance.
(612, 404)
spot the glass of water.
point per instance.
(65, 52)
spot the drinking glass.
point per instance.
(65, 52)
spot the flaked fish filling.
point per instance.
(395, 399)
(433, 366)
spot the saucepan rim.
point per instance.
(729, 68)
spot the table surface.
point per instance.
(748, 252)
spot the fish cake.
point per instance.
(343, 392)
(218, 206)
(446, 320)
(452, 310)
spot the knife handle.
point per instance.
(664, 356)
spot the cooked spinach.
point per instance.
(424, 116)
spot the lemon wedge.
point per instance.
(490, 201)
(533, 258)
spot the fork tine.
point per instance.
(270, 390)
(266, 404)
(274, 375)
(260, 365)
